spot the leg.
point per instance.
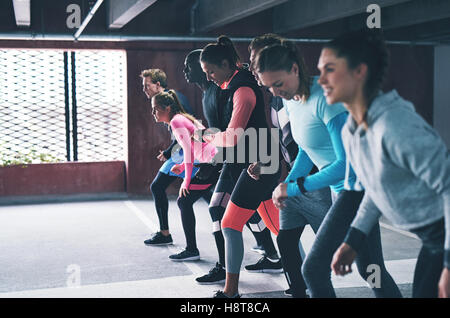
(245, 199)
(427, 274)
(217, 205)
(299, 211)
(316, 268)
(188, 217)
(207, 195)
(290, 256)
(430, 260)
(371, 254)
(158, 188)
(262, 234)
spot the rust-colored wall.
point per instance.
(145, 137)
(63, 178)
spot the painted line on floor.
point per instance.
(406, 233)
(193, 267)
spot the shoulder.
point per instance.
(179, 121)
(244, 93)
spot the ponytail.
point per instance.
(222, 49)
(170, 98)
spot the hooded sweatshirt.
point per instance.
(403, 165)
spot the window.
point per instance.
(69, 105)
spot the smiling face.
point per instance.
(339, 82)
(217, 73)
(281, 83)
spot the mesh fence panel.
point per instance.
(32, 104)
(100, 95)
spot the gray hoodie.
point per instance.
(403, 165)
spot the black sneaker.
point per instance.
(221, 294)
(185, 256)
(288, 292)
(216, 275)
(159, 239)
(265, 265)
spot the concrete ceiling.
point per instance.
(402, 20)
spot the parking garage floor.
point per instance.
(95, 250)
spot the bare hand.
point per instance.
(279, 195)
(254, 170)
(444, 284)
(161, 156)
(183, 192)
(343, 259)
(177, 169)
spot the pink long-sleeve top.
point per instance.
(183, 129)
(244, 102)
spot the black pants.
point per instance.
(158, 188)
(430, 261)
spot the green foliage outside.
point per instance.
(10, 157)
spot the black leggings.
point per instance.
(158, 188)
(188, 217)
(430, 260)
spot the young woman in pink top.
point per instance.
(167, 109)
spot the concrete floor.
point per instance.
(96, 250)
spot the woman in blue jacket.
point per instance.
(400, 160)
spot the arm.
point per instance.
(334, 172)
(180, 128)
(168, 152)
(244, 101)
(302, 166)
(367, 216)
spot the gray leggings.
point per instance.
(316, 267)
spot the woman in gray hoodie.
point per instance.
(402, 163)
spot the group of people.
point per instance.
(347, 148)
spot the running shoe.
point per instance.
(221, 294)
(185, 255)
(265, 265)
(288, 292)
(216, 275)
(159, 239)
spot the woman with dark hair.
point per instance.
(407, 182)
(316, 128)
(212, 103)
(313, 206)
(243, 113)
